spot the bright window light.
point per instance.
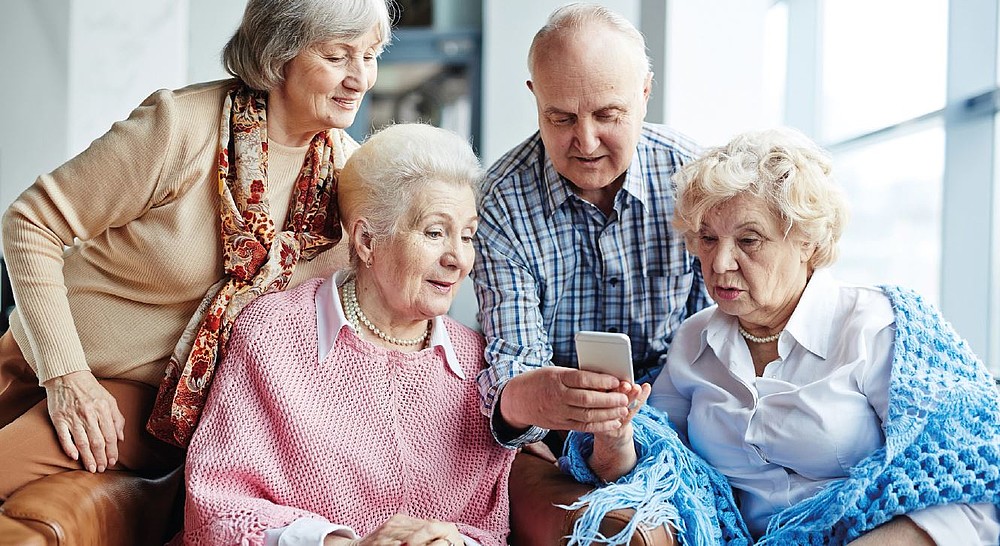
(884, 62)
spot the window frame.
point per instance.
(970, 238)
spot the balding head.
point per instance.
(574, 21)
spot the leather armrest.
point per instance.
(114, 508)
(15, 532)
(537, 486)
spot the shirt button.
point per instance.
(613, 281)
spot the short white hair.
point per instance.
(381, 179)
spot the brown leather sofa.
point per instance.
(83, 509)
(123, 509)
(537, 487)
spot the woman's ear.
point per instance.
(808, 250)
(362, 240)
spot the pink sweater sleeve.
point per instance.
(235, 459)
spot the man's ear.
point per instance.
(647, 86)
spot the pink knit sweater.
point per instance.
(354, 439)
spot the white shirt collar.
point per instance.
(330, 319)
(814, 307)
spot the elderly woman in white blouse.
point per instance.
(794, 383)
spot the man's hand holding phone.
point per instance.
(611, 353)
(559, 398)
(595, 398)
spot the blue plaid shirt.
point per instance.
(551, 264)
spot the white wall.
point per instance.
(508, 106)
(714, 86)
(119, 53)
(34, 36)
(212, 22)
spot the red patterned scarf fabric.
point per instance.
(257, 259)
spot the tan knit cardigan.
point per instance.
(110, 254)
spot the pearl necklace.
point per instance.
(357, 317)
(756, 339)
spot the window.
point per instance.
(908, 110)
(893, 234)
(877, 71)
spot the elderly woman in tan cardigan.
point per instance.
(116, 258)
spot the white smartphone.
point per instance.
(605, 352)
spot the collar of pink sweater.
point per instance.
(330, 319)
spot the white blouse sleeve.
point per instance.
(305, 532)
(960, 524)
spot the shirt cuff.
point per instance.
(507, 435)
(306, 532)
(959, 524)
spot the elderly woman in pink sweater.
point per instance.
(345, 410)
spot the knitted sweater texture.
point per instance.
(362, 435)
(111, 253)
(942, 447)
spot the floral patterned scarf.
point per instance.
(257, 260)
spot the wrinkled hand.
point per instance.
(637, 395)
(559, 398)
(614, 451)
(86, 418)
(899, 531)
(402, 529)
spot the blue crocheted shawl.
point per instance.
(942, 447)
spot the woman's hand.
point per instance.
(86, 418)
(614, 452)
(404, 530)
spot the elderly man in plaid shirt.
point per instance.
(575, 234)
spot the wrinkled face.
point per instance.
(418, 270)
(751, 270)
(324, 83)
(591, 95)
